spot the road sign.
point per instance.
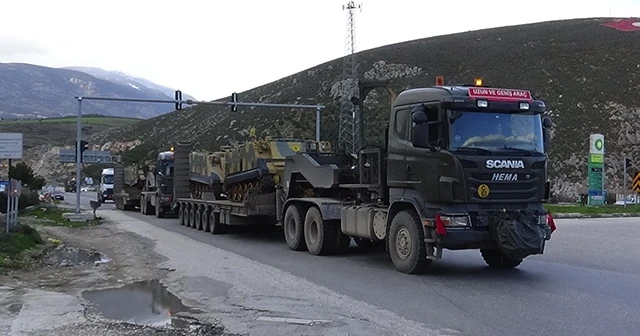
(88, 156)
(636, 183)
(11, 146)
(595, 172)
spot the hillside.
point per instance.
(60, 130)
(31, 91)
(586, 72)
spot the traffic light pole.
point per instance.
(78, 154)
(178, 103)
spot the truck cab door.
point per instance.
(424, 164)
(398, 140)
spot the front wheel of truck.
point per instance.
(406, 243)
(496, 259)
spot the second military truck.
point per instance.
(462, 167)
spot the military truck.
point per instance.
(462, 167)
(157, 192)
(128, 183)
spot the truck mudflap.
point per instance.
(519, 235)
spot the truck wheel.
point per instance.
(214, 222)
(182, 214)
(198, 219)
(406, 243)
(319, 234)
(294, 228)
(192, 217)
(496, 259)
(205, 219)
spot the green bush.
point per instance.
(20, 238)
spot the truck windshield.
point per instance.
(495, 131)
(107, 179)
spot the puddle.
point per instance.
(144, 303)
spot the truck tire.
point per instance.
(214, 222)
(182, 214)
(406, 243)
(205, 220)
(198, 219)
(293, 228)
(192, 217)
(320, 235)
(496, 259)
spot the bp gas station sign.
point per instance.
(595, 176)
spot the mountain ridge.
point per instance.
(30, 91)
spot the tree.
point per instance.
(24, 173)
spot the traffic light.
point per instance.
(627, 163)
(234, 99)
(178, 97)
(84, 145)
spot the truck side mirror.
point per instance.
(420, 129)
(547, 124)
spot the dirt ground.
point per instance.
(45, 298)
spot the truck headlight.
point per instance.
(455, 220)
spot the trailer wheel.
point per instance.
(182, 214)
(293, 228)
(406, 243)
(496, 259)
(319, 234)
(192, 216)
(214, 222)
(205, 220)
(198, 219)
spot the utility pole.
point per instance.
(349, 133)
(78, 154)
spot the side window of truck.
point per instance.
(402, 122)
(434, 123)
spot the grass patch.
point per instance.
(53, 217)
(588, 210)
(13, 245)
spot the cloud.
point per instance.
(13, 46)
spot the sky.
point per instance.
(211, 48)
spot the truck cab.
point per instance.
(157, 193)
(472, 162)
(105, 192)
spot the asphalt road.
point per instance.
(587, 282)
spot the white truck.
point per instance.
(105, 192)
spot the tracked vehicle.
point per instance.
(463, 167)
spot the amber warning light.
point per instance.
(478, 81)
